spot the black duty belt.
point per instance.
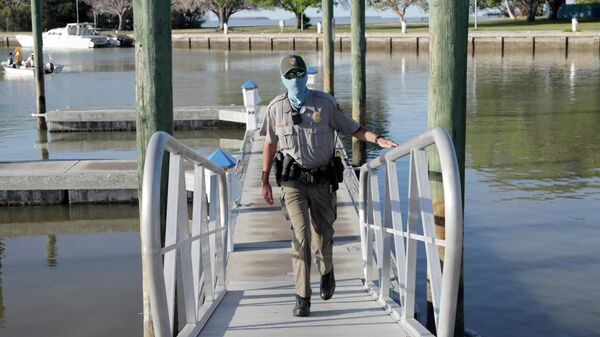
(310, 176)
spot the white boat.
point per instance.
(23, 71)
(72, 36)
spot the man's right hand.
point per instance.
(267, 193)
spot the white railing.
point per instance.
(380, 226)
(189, 270)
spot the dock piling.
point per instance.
(36, 24)
(328, 47)
(448, 29)
(359, 84)
(154, 99)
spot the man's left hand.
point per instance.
(386, 142)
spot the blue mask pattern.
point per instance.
(297, 90)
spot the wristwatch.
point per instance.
(377, 139)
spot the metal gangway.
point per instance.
(206, 277)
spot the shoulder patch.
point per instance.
(277, 99)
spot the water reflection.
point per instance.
(55, 220)
(121, 145)
(539, 136)
(2, 308)
(52, 256)
(99, 264)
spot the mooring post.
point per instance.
(154, 98)
(328, 48)
(359, 82)
(448, 23)
(36, 24)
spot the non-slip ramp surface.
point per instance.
(263, 310)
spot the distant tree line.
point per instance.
(15, 15)
(118, 14)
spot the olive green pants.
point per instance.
(312, 211)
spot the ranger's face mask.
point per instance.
(297, 90)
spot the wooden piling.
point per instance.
(328, 47)
(359, 85)
(36, 24)
(154, 96)
(448, 22)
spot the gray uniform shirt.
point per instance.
(312, 142)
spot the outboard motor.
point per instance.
(49, 68)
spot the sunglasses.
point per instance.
(294, 74)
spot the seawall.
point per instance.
(479, 42)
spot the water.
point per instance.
(291, 22)
(532, 186)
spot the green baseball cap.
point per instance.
(292, 62)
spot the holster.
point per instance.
(278, 164)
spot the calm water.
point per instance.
(532, 187)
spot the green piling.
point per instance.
(448, 22)
(154, 95)
(328, 48)
(359, 81)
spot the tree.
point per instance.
(224, 9)
(399, 6)
(97, 7)
(531, 6)
(505, 7)
(14, 15)
(120, 8)
(187, 13)
(554, 6)
(295, 6)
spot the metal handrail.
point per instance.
(383, 225)
(194, 256)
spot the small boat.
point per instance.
(73, 36)
(24, 71)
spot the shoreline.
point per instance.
(479, 42)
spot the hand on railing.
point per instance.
(383, 142)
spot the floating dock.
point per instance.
(123, 119)
(68, 182)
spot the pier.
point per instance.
(123, 119)
(236, 278)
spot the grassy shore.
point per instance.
(519, 24)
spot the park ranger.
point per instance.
(302, 125)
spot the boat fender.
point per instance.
(49, 68)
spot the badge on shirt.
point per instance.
(317, 116)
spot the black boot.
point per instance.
(302, 307)
(327, 285)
